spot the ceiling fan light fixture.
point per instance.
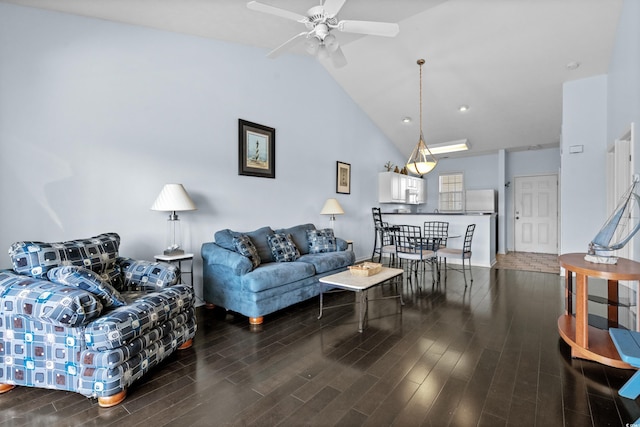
(311, 45)
(319, 22)
(323, 53)
(331, 43)
(421, 161)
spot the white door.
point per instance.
(536, 214)
(619, 179)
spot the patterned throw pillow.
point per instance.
(321, 241)
(83, 278)
(147, 275)
(66, 306)
(244, 246)
(283, 248)
(97, 253)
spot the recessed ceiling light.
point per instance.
(406, 120)
(463, 108)
(573, 65)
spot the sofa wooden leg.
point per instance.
(6, 387)
(109, 401)
(210, 306)
(187, 344)
(256, 320)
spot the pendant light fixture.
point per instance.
(421, 161)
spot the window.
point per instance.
(450, 192)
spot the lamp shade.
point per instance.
(172, 198)
(331, 207)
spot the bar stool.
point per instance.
(383, 243)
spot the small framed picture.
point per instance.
(343, 178)
(256, 150)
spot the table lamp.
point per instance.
(173, 198)
(333, 208)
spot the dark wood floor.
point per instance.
(486, 355)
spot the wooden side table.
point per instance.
(586, 341)
(178, 259)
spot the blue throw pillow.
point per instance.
(282, 248)
(244, 246)
(82, 278)
(299, 236)
(321, 241)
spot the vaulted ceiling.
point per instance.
(504, 59)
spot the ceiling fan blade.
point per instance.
(261, 7)
(385, 29)
(332, 7)
(286, 45)
(338, 58)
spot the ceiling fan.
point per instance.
(320, 21)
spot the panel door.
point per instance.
(536, 214)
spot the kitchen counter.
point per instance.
(484, 243)
(437, 213)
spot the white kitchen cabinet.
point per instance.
(397, 188)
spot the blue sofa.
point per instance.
(237, 281)
(76, 316)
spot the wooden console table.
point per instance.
(589, 342)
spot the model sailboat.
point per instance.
(618, 229)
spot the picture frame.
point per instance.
(256, 150)
(343, 178)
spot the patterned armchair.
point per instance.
(75, 316)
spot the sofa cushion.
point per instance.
(45, 301)
(258, 237)
(275, 274)
(282, 248)
(299, 236)
(245, 247)
(123, 324)
(321, 241)
(138, 274)
(327, 261)
(79, 277)
(35, 259)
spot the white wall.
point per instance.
(484, 172)
(526, 163)
(480, 173)
(624, 84)
(583, 175)
(596, 111)
(95, 117)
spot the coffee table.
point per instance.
(360, 285)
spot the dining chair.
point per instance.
(418, 250)
(463, 254)
(438, 229)
(383, 239)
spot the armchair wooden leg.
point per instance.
(256, 320)
(109, 401)
(6, 387)
(187, 344)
